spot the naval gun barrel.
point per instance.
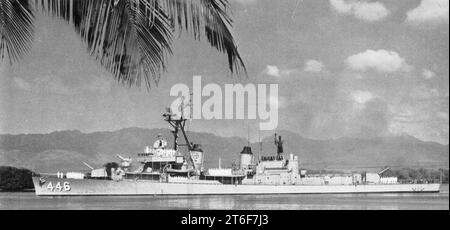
(384, 170)
(127, 159)
(120, 157)
(92, 168)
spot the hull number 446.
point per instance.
(58, 187)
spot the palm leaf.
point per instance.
(132, 38)
(207, 18)
(16, 29)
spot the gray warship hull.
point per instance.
(85, 187)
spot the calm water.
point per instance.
(28, 200)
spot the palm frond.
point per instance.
(132, 38)
(16, 29)
(210, 19)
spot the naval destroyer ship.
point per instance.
(160, 170)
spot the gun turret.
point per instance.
(126, 162)
(120, 157)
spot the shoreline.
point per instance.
(19, 191)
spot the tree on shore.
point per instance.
(15, 179)
(129, 38)
(406, 175)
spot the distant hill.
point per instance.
(65, 150)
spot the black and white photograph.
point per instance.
(224, 105)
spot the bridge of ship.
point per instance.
(161, 155)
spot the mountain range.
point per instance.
(66, 150)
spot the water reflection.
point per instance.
(259, 202)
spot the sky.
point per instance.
(344, 68)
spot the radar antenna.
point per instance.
(179, 124)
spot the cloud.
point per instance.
(428, 74)
(368, 11)
(273, 70)
(435, 11)
(21, 83)
(53, 84)
(314, 66)
(380, 60)
(361, 97)
(423, 92)
(341, 7)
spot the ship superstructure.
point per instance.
(160, 170)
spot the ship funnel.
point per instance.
(197, 156)
(247, 150)
(246, 157)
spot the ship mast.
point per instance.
(177, 124)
